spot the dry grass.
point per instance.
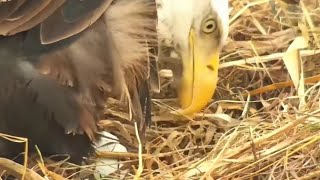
(260, 125)
(270, 134)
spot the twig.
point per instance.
(279, 85)
(140, 168)
(18, 170)
(267, 58)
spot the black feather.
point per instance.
(34, 106)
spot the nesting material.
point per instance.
(264, 120)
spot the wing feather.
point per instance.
(40, 17)
(62, 25)
(8, 8)
(24, 13)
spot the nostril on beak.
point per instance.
(210, 67)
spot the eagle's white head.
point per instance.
(197, 30)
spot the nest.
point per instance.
(264, 120)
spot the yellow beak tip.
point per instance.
(198, 82)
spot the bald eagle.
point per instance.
(60, 60)
(196, 30)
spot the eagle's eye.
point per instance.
(209, 26)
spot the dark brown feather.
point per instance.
(31, 106)
(8, 8)
(63, 24)
(42, 15)
(24, 13)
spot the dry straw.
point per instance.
(264, 121)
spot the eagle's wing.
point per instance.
(54, 21)
(71, 55)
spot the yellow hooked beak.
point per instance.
(199, 78)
